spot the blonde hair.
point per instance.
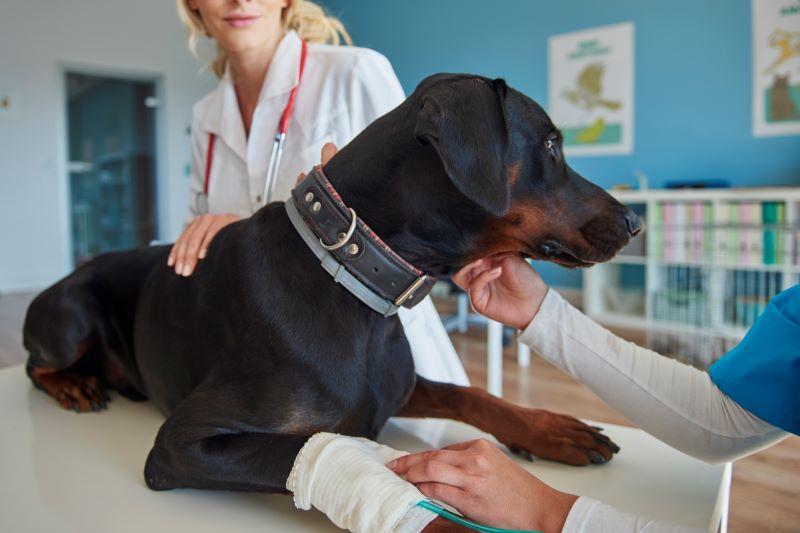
(305, 17)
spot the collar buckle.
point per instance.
(409, 292)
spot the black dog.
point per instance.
(259, 348)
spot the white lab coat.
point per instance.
(343, 89)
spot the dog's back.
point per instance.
(258, 316)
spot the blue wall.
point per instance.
(693, 85)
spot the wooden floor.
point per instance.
(766, 486)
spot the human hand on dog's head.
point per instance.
(328, 151)
(504, 288)
(481, 482)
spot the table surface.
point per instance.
(65, 471)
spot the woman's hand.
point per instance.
(328, 151)
(504, 288)
(193, 243)
(484, 485)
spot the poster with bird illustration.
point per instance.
(591, 89)
(776, 67)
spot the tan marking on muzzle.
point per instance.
(514, 232)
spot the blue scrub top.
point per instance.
(762, 373)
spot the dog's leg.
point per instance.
(78, 392)
(525, 431)
(213, 441)
(64, 354)
(69, 376)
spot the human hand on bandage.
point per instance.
(346, 478)
(480, 481)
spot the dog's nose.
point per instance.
(633, 223)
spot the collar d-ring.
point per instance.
(342, 238)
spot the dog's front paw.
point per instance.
(562, 438)
(76, 392)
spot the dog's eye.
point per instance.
(551, 146)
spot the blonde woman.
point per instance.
(261, 46)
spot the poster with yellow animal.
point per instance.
(591, 89)
(776, 67)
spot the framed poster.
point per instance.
(776, 67)
(590, 92)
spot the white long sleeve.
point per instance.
(674, 402)
(591, 516)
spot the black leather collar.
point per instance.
(374, 272)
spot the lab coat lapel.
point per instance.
(284, 70)
(221, 117)
(230, 120)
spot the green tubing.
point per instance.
(430, 506)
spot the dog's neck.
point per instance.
(397, 197)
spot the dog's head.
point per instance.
(467, 168)
(503, 154)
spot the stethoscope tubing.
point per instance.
(280, 136)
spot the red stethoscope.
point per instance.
(277, 145)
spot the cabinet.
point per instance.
(706, 265)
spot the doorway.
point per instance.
(111, 163)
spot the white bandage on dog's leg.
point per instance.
(346, 478)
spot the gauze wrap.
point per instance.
(346, 478)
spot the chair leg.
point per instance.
(463, 312)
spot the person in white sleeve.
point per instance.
(286, 91)
(748, 400)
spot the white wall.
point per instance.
(39, 39)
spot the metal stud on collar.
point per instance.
(342, 238)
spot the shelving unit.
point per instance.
(704, 268)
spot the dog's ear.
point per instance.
(465, 122)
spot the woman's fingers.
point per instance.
(453, 496)
(463, 277)
(193, 243)
(479, 292)
(328, 151)
(179, 248)
(192, 249)
(173, 253)
(211, 232)
(403, 464)
(437, 472)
